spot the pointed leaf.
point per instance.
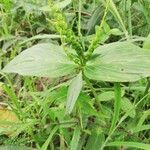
(118, 62)
(73, 92)
(44, 60)
(75, 139)
(108, 95)
(130, 144)
(15, 148)
(126, 105)
(95, 140)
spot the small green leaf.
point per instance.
(143, 117)
(73, 92)
(95, 140)
(118, 62)
(75, 139)
(126, 105)
(43, 60)
(130, 144)
(108, 95)
(140, 128)
(116, 32)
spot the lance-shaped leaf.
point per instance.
(44, 60)
(118, 62)
(73, 92)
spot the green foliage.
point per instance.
(74, 74)
(115, 63)
(73, 92)
(46, 60)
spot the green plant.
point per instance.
(118, 62)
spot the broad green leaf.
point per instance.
(75, 139)
(73, 92)
(44, 60)
(118, 62)
(130, 144)
(95, 140)
(126, 105)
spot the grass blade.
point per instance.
(75, 139)
(130, 144)
(117, 106)
(45, 145)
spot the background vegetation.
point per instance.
(33, 111)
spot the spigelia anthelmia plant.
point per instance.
(88, 63)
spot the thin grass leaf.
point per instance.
(143, 117)
(45, 145)
(140, 128)
(15, 148)
(117, 106)
(75, 139)
(116, 14)
(130, 144)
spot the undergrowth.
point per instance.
(74, 74)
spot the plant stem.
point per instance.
(129, 18)
(147, 87)
(93, 91)
(79, 18)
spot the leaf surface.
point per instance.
(43, 60)
(73, 92)
(118, 62)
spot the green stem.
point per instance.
(129, 18)
(79, 18)
(147, 86)
(93, 91)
